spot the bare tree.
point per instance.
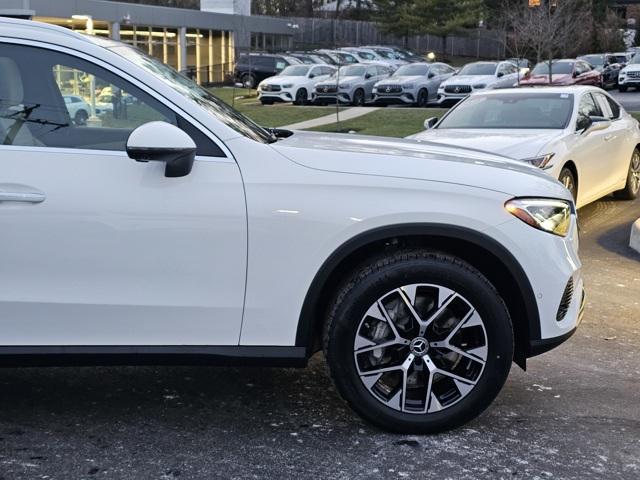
(561, 29)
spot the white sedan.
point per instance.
(294, 84)
(579, 135)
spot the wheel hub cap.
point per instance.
(420, 348)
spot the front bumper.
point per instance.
(404, 98)
(281, 96)
(628, 81)
(331, 97)
(551, 264)
(444, 97)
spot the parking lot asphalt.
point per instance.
(574, 415)
(630, 100)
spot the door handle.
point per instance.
(27, 197)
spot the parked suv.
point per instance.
(607, 64)
(351, 84)
(185, 233)
(630, 75)
(413, 84)
(478, 76)
(294, 84)
(251, 69)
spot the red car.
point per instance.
(564, 72)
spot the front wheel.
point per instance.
(418, 342)
(632, 187)
(81, 117)
(358, 98)
(301, 97)
(423, 98)
(248, 81)
(568, 179)
(622, 88)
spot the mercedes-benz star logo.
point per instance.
(388, 90)
(456, 90)
(419, 346)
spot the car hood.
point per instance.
(279, 80)
(469, 79)
(333, 80)
(403, 80)
(544, 79)
(518, 144)
(410, 159)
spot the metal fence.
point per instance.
(330, 33)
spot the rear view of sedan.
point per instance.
(579, 135)
(413, 84)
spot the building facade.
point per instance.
(202, 44)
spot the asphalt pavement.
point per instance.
(574, 415)
(630, 99)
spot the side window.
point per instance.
(51, 99)
(579, 68)
(372, 71)
(588, 107)
(609, 107)
(436, 70)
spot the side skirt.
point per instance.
(53, 356)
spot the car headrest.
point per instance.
(11, 90)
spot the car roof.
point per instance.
(30, 29)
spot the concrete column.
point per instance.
(198, 63)
(182, 49)
(115, 31)
(224, 54)
(150, 47)
(211, 66)
(165, 47)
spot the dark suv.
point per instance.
(252, 68)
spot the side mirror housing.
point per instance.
(431, 75)
(597, 123)
(575, 74)
(163, 142)
(429, 123)
(367, 76)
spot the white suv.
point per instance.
(178, 231)
(294, 84)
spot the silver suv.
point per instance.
(352, 84)
(413, 84)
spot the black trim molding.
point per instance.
(538, 347)
(263, 356)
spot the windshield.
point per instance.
(511, 111)
(559, 68)
(621, 58)
(386, 54)
(595, 60)
(295, 71)
(194, 92)
(346, 57)
(479, 69)
(352, 71)
(635, 60)
(366, 55)
(411, 70)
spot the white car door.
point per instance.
(620, 140)
(97, 249)
(589, 150)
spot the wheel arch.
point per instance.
(483, 252)
(571, 165)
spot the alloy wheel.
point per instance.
(420, 348)
(635, 172)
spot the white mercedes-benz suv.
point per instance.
(175, 230)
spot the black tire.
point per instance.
(631, 189)
(248, 81)
(568, 179)
(358, 98)
(81, 117)
(423, 98)
(302, 97)
(622, 88)
(390, 272)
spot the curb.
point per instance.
(635, 236)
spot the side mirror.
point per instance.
(575, 74)
(429, 123)
(500, 74)
(597, 123)
(431, 75)
(583, 123)
(367, 76)
(163, 142)
(311, 75)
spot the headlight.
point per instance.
(288, 85)
(548, 215)
(410, 86)
(480, 86)
(345, 86)
(541, 161)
